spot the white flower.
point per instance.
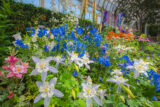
(86, 61)
(17, 36)
(52, 36)
(74, 58)
(59, 60)
(47, 90)
(123, 47)
(35, 46)
(101, 93)
(117, 72)
(50, 45)
(34, 38)
(90, 92)
(118, 80)
(42, 66)
(139, 67)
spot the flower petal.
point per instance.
(35, 59)
(47, 101)
(38, 97)
(49, 58)
(96, 86)
(88, 102)
(52, 69)
(97, 100)
(58, 93)
(34, 72)
(38, 83)
(53, 81)
(43, 76)
(81, 95)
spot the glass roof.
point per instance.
(75, 6)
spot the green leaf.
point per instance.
(156, 103)
(121, 105)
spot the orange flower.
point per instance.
(120, 35)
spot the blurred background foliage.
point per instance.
(16, 16)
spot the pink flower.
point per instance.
(103, 47)
(11, 94)
(106, 52)
(6, 67)
(11, 59)
(119, 51)
(1, 75)
(16, 71)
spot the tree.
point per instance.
(142, 11)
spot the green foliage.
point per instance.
(5, 11)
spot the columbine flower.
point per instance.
(118, 80)
(86, 61)
(50, 45)
(42, 66)
(101, 93)
(74, 58)
(47, 90)
(139, 66)
(117, 72)
(59, 60)
(90, 92)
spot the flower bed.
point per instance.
(77, 67)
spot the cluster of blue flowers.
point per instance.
(155, 79)
(30, 31)
(20, 44)
(66, 40)
(43, 32)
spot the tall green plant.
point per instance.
(4, 24)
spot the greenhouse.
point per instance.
(79, 53)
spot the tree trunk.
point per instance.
(140, 24)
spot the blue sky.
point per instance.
(48, 5)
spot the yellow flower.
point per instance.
(143, 35)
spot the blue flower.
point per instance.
(154, 98)
(74, 73)
(107, 63)
(100, 78)
(42, 32)
(125, 58)
(21, 44)
(79, 30)
(45, 48)
(93, 31)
